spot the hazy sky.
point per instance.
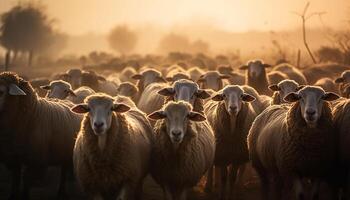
(80, 16)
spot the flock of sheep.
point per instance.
(182, 125)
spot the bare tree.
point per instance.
(304, 17)
(122, 39)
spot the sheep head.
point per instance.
(255, 68)
(212, 80)
(58, 89)
(285, 87)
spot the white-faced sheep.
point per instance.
(212, 80)
(256, 76)
(230, 114)
(40, 132)
(292, 72)
(184, 148)
(282, 89)
(128, 89)
(188, 91)
(58, 90)
(80, 94)
(112, 150)
(195, 73)
(288, 143)
(343, 80)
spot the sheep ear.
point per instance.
(201, 79)
(292, 97)
(157, 115)
(243, 67)
(202, 94)
(224, 76)
(217, 97)
(46, 87)
(72, 93)
(101, 78)
(14, 90)
(274, 87)
(169, 91)
(169, 79)
(247, 97)
(120, 108)
(196, 117)
(136, 76)
(300, 87)
(80, 108)
(339, 80)
(266, 65)
(330, 96)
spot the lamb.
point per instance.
(282, 89)
(212, 80)
(288, 143)
(188, 91)
(292, 72)
(327, 84)
(230, 115)
(183, 150)
(341, 113)
(37, 132)
(58, 90)
(256, 76)
(128, 89)
(343, 80)
(275, 77)
(195, 73)
(113, 149)
(80, 94)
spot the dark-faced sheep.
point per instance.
(128, 89)
(256, 76)
(288, 143)
(212, 80)
(292, 72)
(282, 89)
(39, 132)
(112, 150)
(188, 91)
(230, 115)
(184, 148)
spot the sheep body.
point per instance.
(292, 72)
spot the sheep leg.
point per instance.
(16, 181)
(298, 186)
(217, 177)
(223, 189)
(62, 185)
(232, 180)
(277, 187)
(209, 183)
(315, 189)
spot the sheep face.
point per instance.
(177, 116)
(212, 80)
(284, 88)
(344, 78)
(311, 99)
(233, 97)
(255, 68)
(9, 90)
(100, 110)
(127, 89)
(58, 90)
(185, 90)
(75, 77)
(147, 77)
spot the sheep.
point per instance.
(126, 74)
(183, 149)
(195, 73)
(327, 84)
(112, 151)
(147, 77)
(235, 77)
(261, 101)
(288, 143)
(74, 77)
(188, 91)
(37, 82)
(212, 80)
(80, 94)
(58, 90)
(171, 70)
(329, 70)
(275, 77)
(256, 76)
(171, 77)
(343, 80)
(40, 132)
(292, 72)
(128, 89)
(282, 89)
(341, 116)
(98, 83)
(230, 114)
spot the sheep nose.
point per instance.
(98, 124)
(176, 133)
(310, 112)
(233, 109)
